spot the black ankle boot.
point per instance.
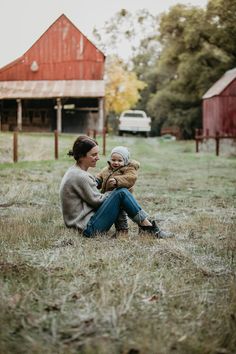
(155, 230)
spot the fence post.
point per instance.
(104, 141)
(15, 146)
(56, 144)
(196, 139)
(217, 143)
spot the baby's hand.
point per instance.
(112, 183)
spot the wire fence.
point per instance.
(200, 138)
(19, 146)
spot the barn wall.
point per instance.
(61, 53)
(211, 115)
(228, 115)
(219, 112)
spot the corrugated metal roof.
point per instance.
(52, 89)
(220, 85)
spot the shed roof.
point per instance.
(219, 86)
(51, 89)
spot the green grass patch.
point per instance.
(62, 293)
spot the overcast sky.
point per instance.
(22, 22)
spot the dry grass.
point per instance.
(61, 293)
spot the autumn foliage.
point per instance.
(122, 87)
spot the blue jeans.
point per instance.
(107, 214)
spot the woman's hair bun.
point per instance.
(82, 145)
(70, 153)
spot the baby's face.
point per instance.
(116, 160)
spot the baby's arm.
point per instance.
(127, 179)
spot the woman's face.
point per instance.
(91, 157)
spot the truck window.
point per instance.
(136, 115)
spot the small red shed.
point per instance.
(219, 106)
(57, 84)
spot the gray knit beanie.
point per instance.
(123, 151)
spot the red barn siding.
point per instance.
(228, 115)
(62, 53)
(211, 109)
(219, 106)
(219, 114)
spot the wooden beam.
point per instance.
(19, 114)
(59, 115)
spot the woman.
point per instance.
(85, 208)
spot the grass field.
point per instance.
(62, 293)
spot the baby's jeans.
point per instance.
(122, 221)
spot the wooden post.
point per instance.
(15, 146)
(197, 145)
(19, 114)
(104, 141)
(59, 115)
(56, 144)
(101, 111)
(94, 133)
(197, 140)
(217, 143)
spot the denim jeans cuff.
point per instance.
(138, 218)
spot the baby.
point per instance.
(120, 172)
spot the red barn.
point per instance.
(219, 106)
(57, 84)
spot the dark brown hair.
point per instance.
(82, 145)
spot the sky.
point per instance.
(22, 22)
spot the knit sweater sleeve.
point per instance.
(86, 187)
(79, 197)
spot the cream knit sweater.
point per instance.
(79, 197)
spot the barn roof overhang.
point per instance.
(51, 89)
(219, 86)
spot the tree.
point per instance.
(123, 33)
(195, 53)
(221, 14)
(121, 36)
(122, 87)
(178, 55)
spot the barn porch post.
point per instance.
(59, 108)
(100, 114)
(19, 114)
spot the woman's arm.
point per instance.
(86, 187)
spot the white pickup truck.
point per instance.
(134, 121)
